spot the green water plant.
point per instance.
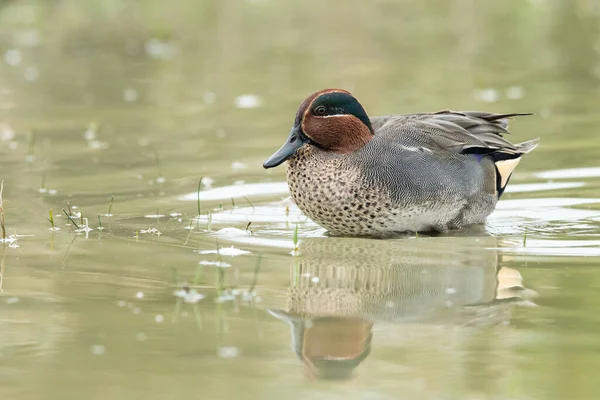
(51, 220)
(70, 218)
(110, 205)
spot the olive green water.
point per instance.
(142, 99)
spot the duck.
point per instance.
(381, 176)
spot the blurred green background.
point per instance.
(141, 99)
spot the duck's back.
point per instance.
(443, 166)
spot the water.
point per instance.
(141, 100)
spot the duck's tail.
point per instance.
(506, 163)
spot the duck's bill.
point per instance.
(292, 144)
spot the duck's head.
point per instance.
(331, 120)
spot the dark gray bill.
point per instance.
(292, 144)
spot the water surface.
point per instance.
(143, 99)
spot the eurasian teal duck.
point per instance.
(379, 176)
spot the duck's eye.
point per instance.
(321, 110)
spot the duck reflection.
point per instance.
(341, 287)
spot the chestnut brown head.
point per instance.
(331, 120)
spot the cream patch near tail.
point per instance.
(505, 169)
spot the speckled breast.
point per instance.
(335, 195)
